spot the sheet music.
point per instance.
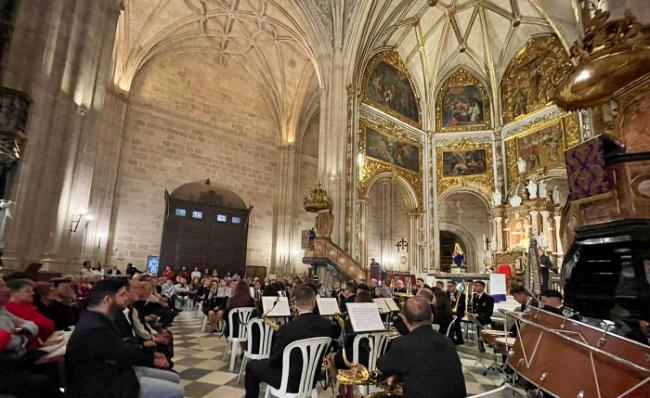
(365, 317)
(280, 309)
(381, 303)
(327, 306)
(392, 305)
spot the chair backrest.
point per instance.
(243, 315)
(378, 344)
(266, 337)
(312, 351)
(451, 325)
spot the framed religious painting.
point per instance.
(388, 86)
(540, 148)
(462, 103)
(465, 163)
(389, 150)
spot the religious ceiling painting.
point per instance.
(532, 75)
(389, 149)
(541, 146)
(465, 163)
(388, 87)
(462, 104)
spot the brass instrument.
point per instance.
(456, 301)
(275, 325)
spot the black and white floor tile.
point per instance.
(198, 358)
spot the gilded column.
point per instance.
(558, 249)
(548, 237)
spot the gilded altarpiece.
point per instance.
(389, 149)
(462, 103)
(531, 77)
(388, 86)
(542, 146)
(465, 163)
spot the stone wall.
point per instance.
(387, 224)
(308, 178)
(189, 120)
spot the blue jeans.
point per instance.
(158, 383)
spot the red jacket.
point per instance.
(28, 312)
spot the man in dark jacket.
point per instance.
(100, 363)
(307, 325)
(425, 361)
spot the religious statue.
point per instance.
(521, 166)
(458, 257)
(6, 212)
(324, 223)
(532, 189)
(542, 190)
(555, 195)
(515, 200)
(497, 198)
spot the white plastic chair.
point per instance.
(312, 351)
(243, 314)
(263, 347)
(378, 344)
(451, 325)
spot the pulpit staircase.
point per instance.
(325, 256)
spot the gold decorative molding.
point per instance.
(484, 180)
(530, 79)
(462, 77)
(371, 167)
(392, 58)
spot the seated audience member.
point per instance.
(552, 301)
(212, 304)
(306, 325)
(482, 303)
(20, 304)
(16, 377)
(131, 270)
(86, 270)
(195, 274)
(100, 363)
(113, 271)
(48, 304)
(425, 361)
(182, 293)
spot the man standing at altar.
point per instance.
(375, 271)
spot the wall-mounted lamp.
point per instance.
(82, 214)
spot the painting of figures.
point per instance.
(462, 105)
(542, 148)
(464, 163)
(391, 88)
(392, 150)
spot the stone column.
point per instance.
(285, 212)
(415, 259)
(558, 249)
(363, 232)
(498, 225)
(534, 223)
(60, 54)
(545, 227)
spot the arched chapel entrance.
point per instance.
(206, 225)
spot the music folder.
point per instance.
(364, 317)
(274, 306)
(327, 306)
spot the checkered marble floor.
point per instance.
(198, 358)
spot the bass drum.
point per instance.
(567, 358)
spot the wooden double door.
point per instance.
(205, 236)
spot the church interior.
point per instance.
(224, 198)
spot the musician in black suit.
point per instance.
(425, 361)
(545, 265)
(307, 325)
(457, 300)
(482, 303)
(552, 301)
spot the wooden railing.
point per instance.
(325, 249)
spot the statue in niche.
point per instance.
(325, 223)
(6, 212)
(521, 166)
(497, 198)
(542, 190)
(532, 189)
(556, 195)
(458, 257)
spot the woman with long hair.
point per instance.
(442, 310)
(241, 297)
